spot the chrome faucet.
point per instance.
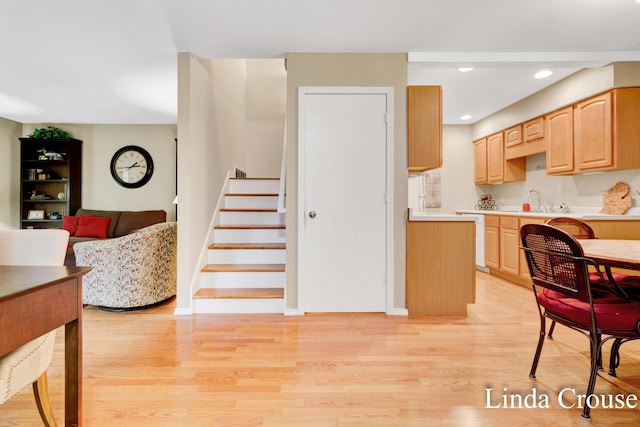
(535, 208)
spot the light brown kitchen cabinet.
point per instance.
(559, 140)
(606, 131)
(480, 163)
(495, 158)
(592, 131)
(533, 129)
(533, 136)
(524, 268)
(424, 132)
(492, 241)
(509, 243)
(600, 133)
(513, 143)
(491, 167)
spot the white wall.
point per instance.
(576, 190)
(456, 173)
(10, 131)
(99, 144)
(458, 189)
(266, 110)
(99, 189)
(225, 120)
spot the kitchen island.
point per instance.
(441, 277)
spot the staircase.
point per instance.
(246, 261)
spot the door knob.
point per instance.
(312, 214)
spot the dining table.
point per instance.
(613, 252)
(35, 300)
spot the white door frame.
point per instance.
(302, 92)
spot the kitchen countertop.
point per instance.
(586, 213)
(425, 216)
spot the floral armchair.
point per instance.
(132, 271)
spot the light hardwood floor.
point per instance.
(150, 368)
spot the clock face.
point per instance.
(131, 166)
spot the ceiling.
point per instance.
(92, 61)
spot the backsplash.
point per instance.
(585, 190)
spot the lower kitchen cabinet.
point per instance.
(509, 245)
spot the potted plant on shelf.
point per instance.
(48, 133)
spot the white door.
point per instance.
(344, 220)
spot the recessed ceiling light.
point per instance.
(465, 69)
(543, 74)
(465, 117)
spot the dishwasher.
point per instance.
(479, 218)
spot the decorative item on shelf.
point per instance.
(49, 155)
(35, 195)
(54, 215)
(61, 196)
(49, 132)
(35, 214)
(486, 203)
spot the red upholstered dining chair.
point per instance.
(625, 285)
(560, 270)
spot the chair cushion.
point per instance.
(630, 284)
(92, 226)
(612, 312)
(24, 365)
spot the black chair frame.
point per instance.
(564, 269)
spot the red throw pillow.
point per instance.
(70, 223)
(93, 226)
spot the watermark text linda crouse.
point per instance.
(566, 398)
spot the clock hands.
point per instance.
(135, 165)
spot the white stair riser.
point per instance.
(254, 186)
(251, 202)
(259, 279)
(247, 256)
(252, 218)
(239, 305)
(249, 235)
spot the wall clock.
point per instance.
(132, 166)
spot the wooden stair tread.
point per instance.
(247, 210)
(251, 194)
(233, 268)
(248, 246)
(250, 227)
(240, 293)
(254, 179)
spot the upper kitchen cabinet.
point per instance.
(491, 167)
(524, 139)
(606, 132)
(513, 143)
(533, 136)
(598, 134)
(495, 158)
(559, 137)
(480, 163)
(424, 117)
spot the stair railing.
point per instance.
(282, 208)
